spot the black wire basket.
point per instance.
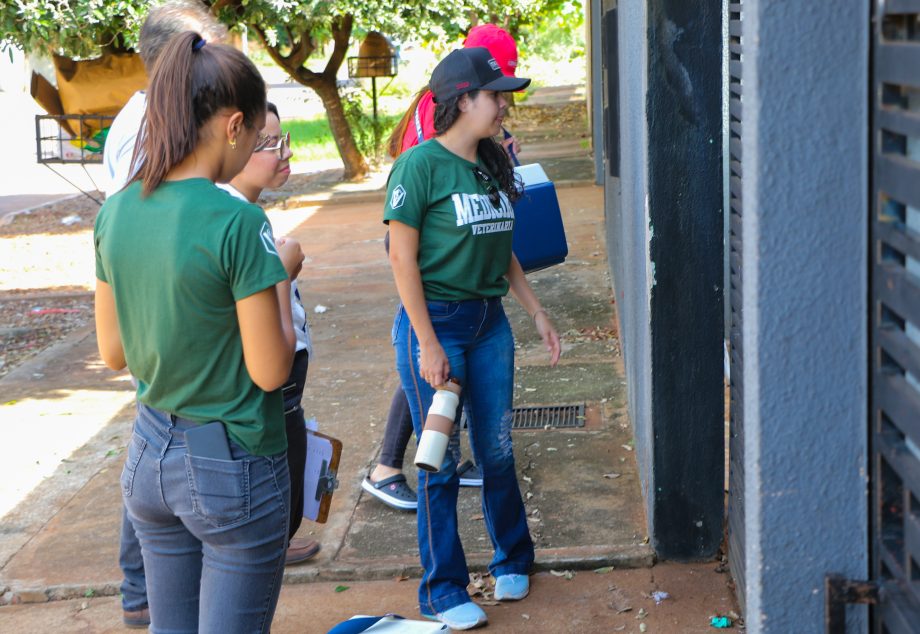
(75, 139)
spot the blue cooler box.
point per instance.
(539, 237)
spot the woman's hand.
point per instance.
(433, 364)
(549, 336)
(291, 256)
(511, 144)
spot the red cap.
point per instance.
(500, 44)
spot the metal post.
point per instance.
(374, 92)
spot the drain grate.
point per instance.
(553, 415)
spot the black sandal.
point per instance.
(394, 491)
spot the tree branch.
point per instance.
(341, 36)
(302, 49)
(219, 4)
(291, 63)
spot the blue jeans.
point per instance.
(477, 340)
(213, 533)
(134, 585)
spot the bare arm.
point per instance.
(434, 366)
(266, 327)
(525, 296)
(268, 335)
(108, 337)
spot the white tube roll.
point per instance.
(444, 404)
(431, 449)
(439, 423)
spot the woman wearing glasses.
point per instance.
(269, 167)
(450, 216)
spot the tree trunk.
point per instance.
(355, 165)
(324, 84)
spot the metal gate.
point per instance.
(736, 425)
(895, 319)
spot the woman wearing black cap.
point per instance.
(451, 220)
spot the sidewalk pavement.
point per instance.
(58, 548)
(618, 601)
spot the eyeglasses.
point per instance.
(491, 188)
(266, 143)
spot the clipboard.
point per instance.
(319, 477)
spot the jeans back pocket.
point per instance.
(219, 489)
(135, 451)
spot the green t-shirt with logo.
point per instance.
(464, 240)
(178, 261)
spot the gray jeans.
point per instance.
(213, 533)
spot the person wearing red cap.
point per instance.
(417, 124)
(386, 482)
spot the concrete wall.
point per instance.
(805, 180)
(627, 231)
(594, 27)
(665, 243)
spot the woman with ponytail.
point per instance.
(450, 217)
(193, 297)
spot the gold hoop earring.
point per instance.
(232, 144)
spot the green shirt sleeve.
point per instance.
(407, 190)
(98, 230)
(249, 256)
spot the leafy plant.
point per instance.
(370, 134)
(296, 34)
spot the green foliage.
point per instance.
(81, 28)
(75, 28)
(557, 37)
(370, 136)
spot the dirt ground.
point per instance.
(31, 322)
(46, 276)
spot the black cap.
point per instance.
(469, 69)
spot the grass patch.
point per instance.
(311, 139)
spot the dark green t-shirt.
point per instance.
(464, 240)
(177, 262)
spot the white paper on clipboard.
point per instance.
(319, 453)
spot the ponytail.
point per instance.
(192, 81)
(395, 143)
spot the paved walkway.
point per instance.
(58, 547)
(598, 522)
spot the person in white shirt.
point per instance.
(163, 21)
(269, 167)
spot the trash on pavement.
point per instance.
(660, 596)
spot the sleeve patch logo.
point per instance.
(398, 197)
(268, 240)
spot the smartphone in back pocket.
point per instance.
(208, 441)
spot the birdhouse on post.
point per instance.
(376, 58)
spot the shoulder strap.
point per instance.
(418, 123)
(514, 158)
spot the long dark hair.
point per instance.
(491, 153)
(191, 82)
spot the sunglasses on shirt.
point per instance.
(491, 187)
